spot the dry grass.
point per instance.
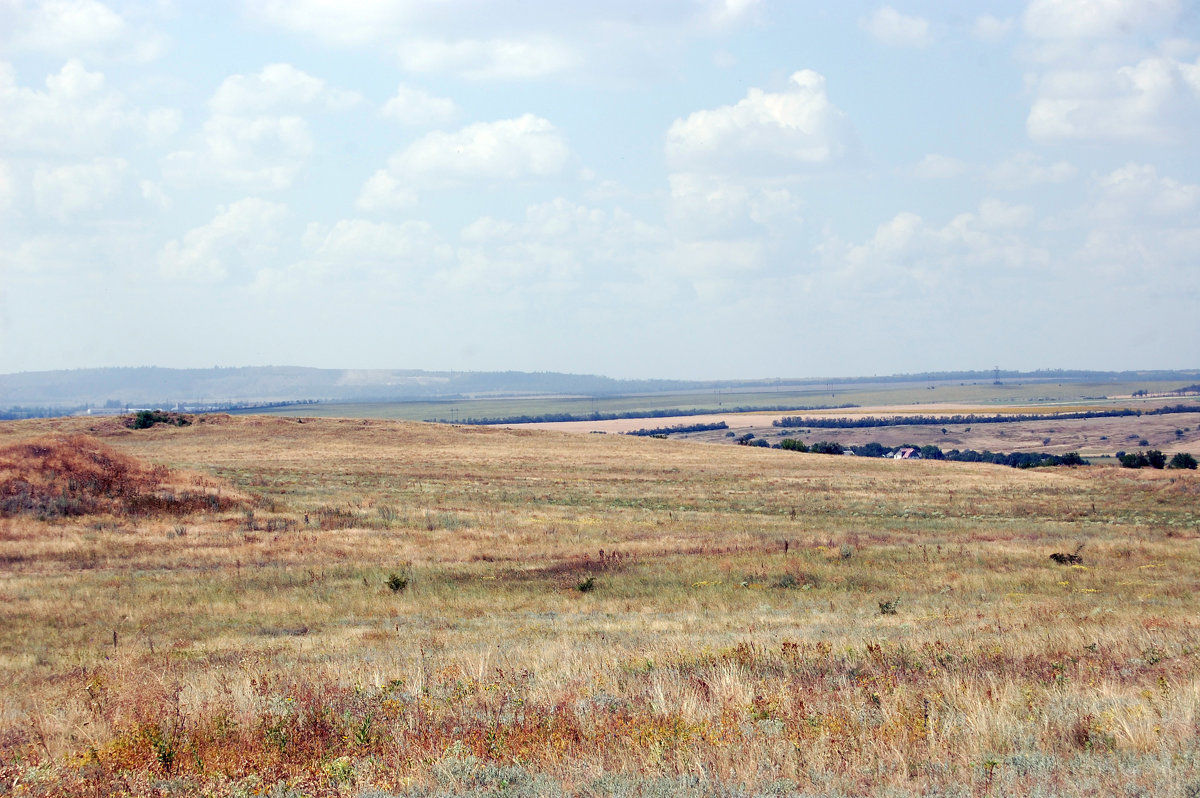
(912, 636)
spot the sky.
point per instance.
(696, 189)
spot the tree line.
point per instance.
(928, 421)
(546, 418)
(664, 431)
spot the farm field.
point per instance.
(1035, 394)
(281, 606)
(1095, 438)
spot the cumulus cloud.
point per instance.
(894, 29)
(721, 13)
(1136, 191)
(153, 194)
(256, 137)
(1092, 19)
(509, 149)
(908, 250)
(8, 187)
(1026, 169)
(410, 106)
(75, 115)
(64, 191)
(764, 134)
(277, 87)
(346, 23)
(1153, 101)
(242, 234)
(1109, 71)
(487, 41)
(708, 207)
(73, 28)
(1021, 170)
(263, 153)
(491, 59)
(939, 167)
(991, 29)
(1142, 232)
(558, 242)
(357, 249)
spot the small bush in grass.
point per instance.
(889, 607)
(1183, 460)
(396, 582)
(145, 419)
(586, 585)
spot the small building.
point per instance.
(907, 453)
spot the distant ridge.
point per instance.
(152, 385)
(55, 392)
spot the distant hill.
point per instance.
(115, 389)
(153, 386)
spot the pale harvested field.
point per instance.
(1094, 437)
(761, 623)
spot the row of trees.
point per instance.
(1148, 459)
(657, 432)
(930, 421)
(875, 449)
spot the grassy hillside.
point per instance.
(388, 608)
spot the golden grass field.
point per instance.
(385, 608)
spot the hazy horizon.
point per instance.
(691, 189)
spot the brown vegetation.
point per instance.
(73, 475)
(760, 623)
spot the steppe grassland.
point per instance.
(914, 635)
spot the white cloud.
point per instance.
(992, 29)
(153, 193)
(975, 247)
(510, 149)
(765, 134)
(384, 192)
(410, 106)
(249, 141)
(1135, 192)
(1152, 101)
(346, 23)
(493, 41)
(8, 187)
(350, 249)
(263, 153)
(708, 207)
(492, 59)
(894, 29)
(1026, 169)
(74, 115)
(277, 87)
(1092, 19)
(939, 167)
(1109, 71)
(62, 192)
(995, 214)
(73, 28)
(559, 242)
(722, 13)
(241, 234)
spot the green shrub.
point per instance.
(1183, 460)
